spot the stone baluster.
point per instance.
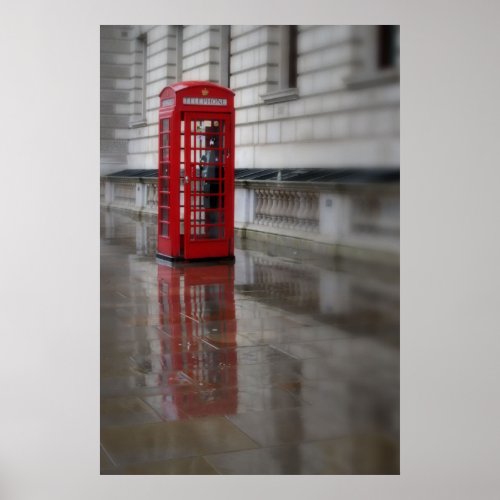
(125, 193)
(263, 207)
(302, 211)
(267, 211)
(294, 209)
(305, 213)
(309, 215)
(152, 196)
(280, 208)
(315, 211)
(259, 195)
(119, 192)
(285, 210)
(274, 207)
(130, 194)
(288, 208)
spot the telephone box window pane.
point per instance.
(164, 229)
(206, 232)
(164, 198)
(165, 140)
(165, 154)
(165, 124)
(213, 218)
(211, 201)
(164, 170)
(214, 232)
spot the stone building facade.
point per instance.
(307, 97)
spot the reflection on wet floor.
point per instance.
(279, 363)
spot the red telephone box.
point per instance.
(196, 172)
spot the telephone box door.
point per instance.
(209, 185)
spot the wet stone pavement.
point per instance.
(279, 363)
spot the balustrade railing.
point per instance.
(364, 216)
(287, 209)
(124, 193)
(152, 196)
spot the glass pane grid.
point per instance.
(164, 178)
(206, 155)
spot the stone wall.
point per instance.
(116, 84)
(343, 112)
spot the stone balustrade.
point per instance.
(291, 209)
(325, 217)
(359, 219)
(124, 193)
(131, 194)
(151, 196)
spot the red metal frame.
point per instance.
(192, 232)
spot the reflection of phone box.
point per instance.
(197, 311)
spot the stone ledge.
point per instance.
(280, 96)
(372, 79)
(138, 124)
(334, 250)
